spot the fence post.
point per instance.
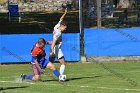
(99, 22)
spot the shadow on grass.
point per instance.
(74, 78)
(78, 78)
(7, 88)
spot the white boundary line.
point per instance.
(119, 89)
(105, 88)
(9, 77)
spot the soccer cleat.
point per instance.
(22, 76)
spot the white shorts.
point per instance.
(58, 52)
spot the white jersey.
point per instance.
(57, 34)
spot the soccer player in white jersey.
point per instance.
(57, 42)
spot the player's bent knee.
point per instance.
(51, 66)
(62, 61)
(36, 78)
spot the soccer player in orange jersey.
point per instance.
(39, 63)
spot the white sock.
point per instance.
(62, 69)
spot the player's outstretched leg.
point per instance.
(52, 67)
(56, 72)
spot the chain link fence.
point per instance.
(114, 13)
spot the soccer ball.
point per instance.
(62, 78)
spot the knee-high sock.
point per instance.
(62, 69)
(56, 73)
(29, 77)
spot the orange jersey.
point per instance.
(38, 52)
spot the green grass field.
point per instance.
(82, 78)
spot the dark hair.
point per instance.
(64, 23)
(41, 40)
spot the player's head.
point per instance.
(41, 42)
(63, 26)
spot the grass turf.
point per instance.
(82, 78)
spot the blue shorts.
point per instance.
(43, 63)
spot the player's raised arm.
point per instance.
(62, 17)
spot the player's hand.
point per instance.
(52, 54)
(49, 42)
(42, 71)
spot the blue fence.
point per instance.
(112, 42)
(16, 48)
(97, 42)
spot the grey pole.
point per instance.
(81, 28)
(80, 16)
(99, 21)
